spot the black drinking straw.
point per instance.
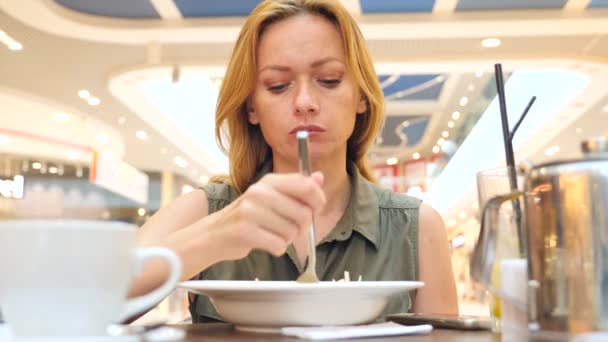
(500, 88)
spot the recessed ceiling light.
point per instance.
(479, 74)
(53, 170)
(61, 117)
(73, 155)
(451, 223)
(416, 155)
(84, 94)
(464, 100)
(445, 134)
(141, 211)
(4, 139)
(36, 165)
(440, 141)
(451, 124)
(552, 150)
(462, 215)
(93, 101)
(141, 135)
(470, 87)
(490, 42)
(204, 179)
(180, 161)
(10, 42)
(102, 138)
(436, 149)
(392, 161)
(456, 115)
(122, 120)
(15, 46)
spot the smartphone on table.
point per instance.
(443, 321)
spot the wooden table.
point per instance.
(226, 332)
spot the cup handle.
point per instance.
(139, 304)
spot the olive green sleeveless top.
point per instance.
(375, 239)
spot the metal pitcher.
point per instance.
(565, 225)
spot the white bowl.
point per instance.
(267, 305)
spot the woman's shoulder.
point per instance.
(390, 199)
(220, 192)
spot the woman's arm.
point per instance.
(435, 266)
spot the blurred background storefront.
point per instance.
(107, 107)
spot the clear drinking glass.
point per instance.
(491, 183)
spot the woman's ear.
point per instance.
(362, 105)
(251, 114)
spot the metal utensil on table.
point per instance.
(310, 274)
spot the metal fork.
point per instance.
(310, 274)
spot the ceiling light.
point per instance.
(552, 150)
(451, 124)
(464, 100)
(379, 141)
(52, 170)
(436, 149)
(456, 115)
(451, 223)
(108, 155)
(392, 161)
(84, 94)
(73, 155)
(61, 117)
(479, 74)
(416, 155)
(141, 211)
(470, 87)
(141, 135)
(4, 139)
(163, 150)
(445, 134)
(204, 179)
(102, 138)
(122, 120)
(440, 141)
(93, 101)
(462, 215)
(36, 165)
(10, 42)
(15, 46)
(181, 162)
(490, 42)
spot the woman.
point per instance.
(302, 65)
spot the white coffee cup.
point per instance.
(71, 278)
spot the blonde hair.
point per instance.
(242, 141)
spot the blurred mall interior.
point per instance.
(107, 107)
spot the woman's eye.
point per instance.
(330, 82)
(277, 88)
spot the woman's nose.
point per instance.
(305, 100)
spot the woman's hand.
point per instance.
(268, 216)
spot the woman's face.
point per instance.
(303, 83)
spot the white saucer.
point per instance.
(258, 330)
(6, 336)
